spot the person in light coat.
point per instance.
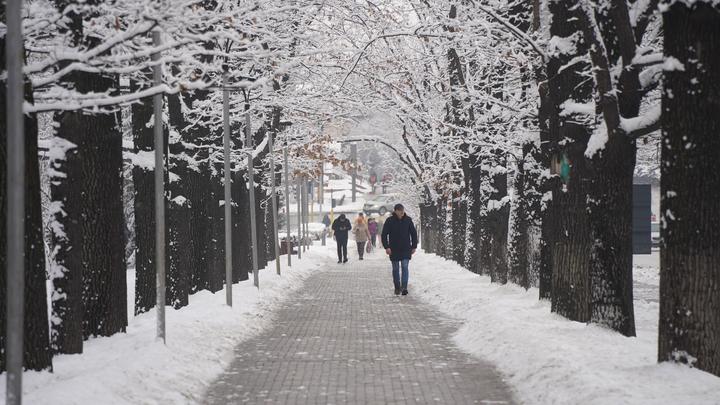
(362, 234)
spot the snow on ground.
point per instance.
(550, 360)
(135, 368)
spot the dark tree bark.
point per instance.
(261, 198)
(93, 205)
(519, 263)
(474, 226)
(181, 260)
(571, 244)
(198, 194)
(547, 212)
(216, 244)
(180, 263)
(37, 354)
(498, 223)
(443, 247)
(144, 183)
(94, 213)
(459, 223)
(428, 214)
(242, 254)
(690, 260)
(610, 189)
(571, 248)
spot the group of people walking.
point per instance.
(397, 235)
(364, 230)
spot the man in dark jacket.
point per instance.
(341, 226)
(399, 238)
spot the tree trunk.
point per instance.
(428, 213)
(94, 215)
(197, 183)
(572, 242)
(181, 262)
(459, 222)
(216, 243)
(519, 241)
(242, 254)
(474, 223)
(441, 235)
(547, 211)
(144, 182)
(610, 215)
(690, 260)
(37, 354)
(571, 253)
(498, 220)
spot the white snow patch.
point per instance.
(597, 141)
(549, 359)
(672, 64)
(136, 368)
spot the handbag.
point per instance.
(368, 246)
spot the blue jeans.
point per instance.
(396, 273)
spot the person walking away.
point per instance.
(326, 222)
(399, 238)
(340, 228)
(373, 228)
(362, 234)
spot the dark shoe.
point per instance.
(404, 292)
(339, 261)
(345, 261)
(397, 291)
(361, 258)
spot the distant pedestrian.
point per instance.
(326, 222)
(362, 234)
(399, 238)
(341, 226)
(373, 228)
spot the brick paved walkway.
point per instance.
(345, 338)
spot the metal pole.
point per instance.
(287, 206)
(228, 195)
(321, 197)
(298, 197)
(159, 197)
(309, 211)
(311, 202)
(304, 213)
(15, 57)
(251, 190)
(274, 197)
(353, 158)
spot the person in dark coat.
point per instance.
(341, 226)
(399, 238)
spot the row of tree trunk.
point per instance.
(88, 271)
(583, 261)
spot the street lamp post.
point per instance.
(159, 196)
(274, 197)
(251, 192)
(288, 242)
(14, 55)
(228, 194)
(298, 197)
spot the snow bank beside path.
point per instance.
(550, 360)
(134, 368)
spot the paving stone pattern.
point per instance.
(345, 338)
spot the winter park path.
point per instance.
(345, 338)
